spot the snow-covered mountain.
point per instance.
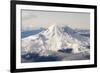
(31, 32)
(54, 39)
(84, 32)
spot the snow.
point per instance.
(53, 39)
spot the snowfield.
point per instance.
(56, 43)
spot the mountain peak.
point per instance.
(54, 26)
(53, 30)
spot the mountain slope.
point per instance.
(55, 39)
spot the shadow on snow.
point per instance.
(34, 57)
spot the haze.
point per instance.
(35, 19)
